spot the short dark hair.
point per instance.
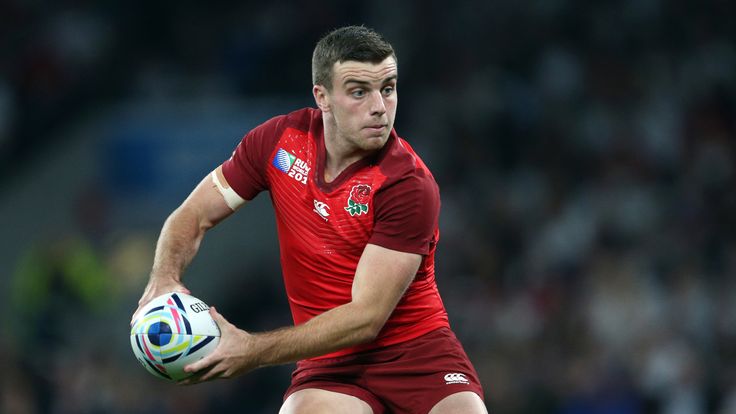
(357, 43)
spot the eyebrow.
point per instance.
(362, 82)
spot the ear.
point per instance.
(321, 97)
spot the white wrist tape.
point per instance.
(232, 199)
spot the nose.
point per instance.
(378, 106)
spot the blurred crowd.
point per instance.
(585, 152)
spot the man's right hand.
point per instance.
(157, 286)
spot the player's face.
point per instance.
(363, 102)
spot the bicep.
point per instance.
(382, 277)
(211, 200)
(407, 214)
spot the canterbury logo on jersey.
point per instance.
(288, 163)
(321, 209)
(456, 378)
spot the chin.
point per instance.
(374, 142)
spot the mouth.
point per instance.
(376, 128)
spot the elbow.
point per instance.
(370, 334)
(366, 322)
(195, 217)
(205, 225)
(370, 330)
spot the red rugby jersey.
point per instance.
(389, 199)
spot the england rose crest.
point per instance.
(358, 200)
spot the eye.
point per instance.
(358, 93)
(388, 90)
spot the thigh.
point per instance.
(465, 402)
(318, 401)
(341, 376)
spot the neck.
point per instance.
(338, 153)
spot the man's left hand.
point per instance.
(229, 359)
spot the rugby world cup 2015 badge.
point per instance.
(358, 199)
(288, 163)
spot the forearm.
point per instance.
(177, 244)
(342, 327)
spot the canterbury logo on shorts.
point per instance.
(456, 378)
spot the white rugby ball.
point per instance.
(171, 332)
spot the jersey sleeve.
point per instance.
(407, 215)
(245, 170)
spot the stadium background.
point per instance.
(586, 153)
